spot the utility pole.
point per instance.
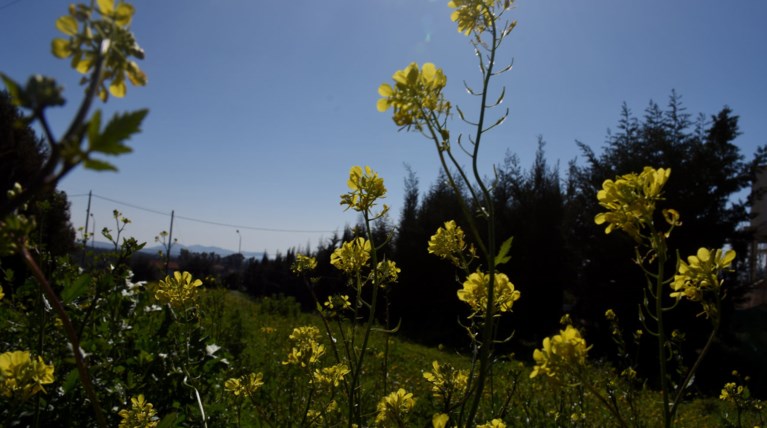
(85, 231)
(170, 243)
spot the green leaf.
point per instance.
(169, 421)
(119, 129)
(13, 89)
(76, 289)
(98, 165)
(94, 130)
(503, 255)
(70, 381)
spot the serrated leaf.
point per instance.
(120, 128)
(503, 254)
(75, 289)
(98, 165)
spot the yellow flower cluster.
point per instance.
(303, 264)
(699, 276)
(472, 15)
(449, 243)
(352, 256)
(246, 385)
(109, 35)
(177, 291)
(393, 408)
(337, 303)
(446, 381)
(388, 272)
(306, 350)
(22, 375)
(475, 290)
(332, 375)
(141, 414)
(567, 347)
(416, 94)
(495, 423)
(630, 200)
(365, 188)
(731, 391)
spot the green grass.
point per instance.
(257, 333)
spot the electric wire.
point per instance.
(197, 220)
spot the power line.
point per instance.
(197, 220)
(9, 4)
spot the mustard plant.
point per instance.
(418, 103)
(631, 203)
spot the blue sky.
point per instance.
(259, 108)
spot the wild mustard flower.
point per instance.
(698, 278)
(141, 414)
(495, 423)
(474, 292)
(85, 45)
(245, 385)
(388, 272)
(306, 350)
(337, 303)
(630, 200)
(448, 243)
(416, 93)
(439, 420)
(303, 264)
(22, 375)
(446, 381)
(179, 290)
(565, 348)
(471, 15)
(352, 256)
(332, 375)
(393, 408)
(1, 293)
(365, 188)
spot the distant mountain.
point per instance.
(176, 250)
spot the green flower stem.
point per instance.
(355, 408)
(694, 368)
(662, 257)
(53, 299)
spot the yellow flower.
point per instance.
(177, 291)
(332, 375)
(306, 350)
(448, 243)
(141, 414)
(446, 381)
(352, 256)
(22, 375)
(568, 347)
(106, 34)
(338, 303)
(234, 386)
(388, 272)
(393, 408)
(1, 293)
(495, 423)
(698, 278)
(303, 264)
(416, 94)
(475, 289)
(630, 201)
(472, 15)
(439, 420)
(365, 188)
(610, 315)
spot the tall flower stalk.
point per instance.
(631, 201)
(418, 104)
